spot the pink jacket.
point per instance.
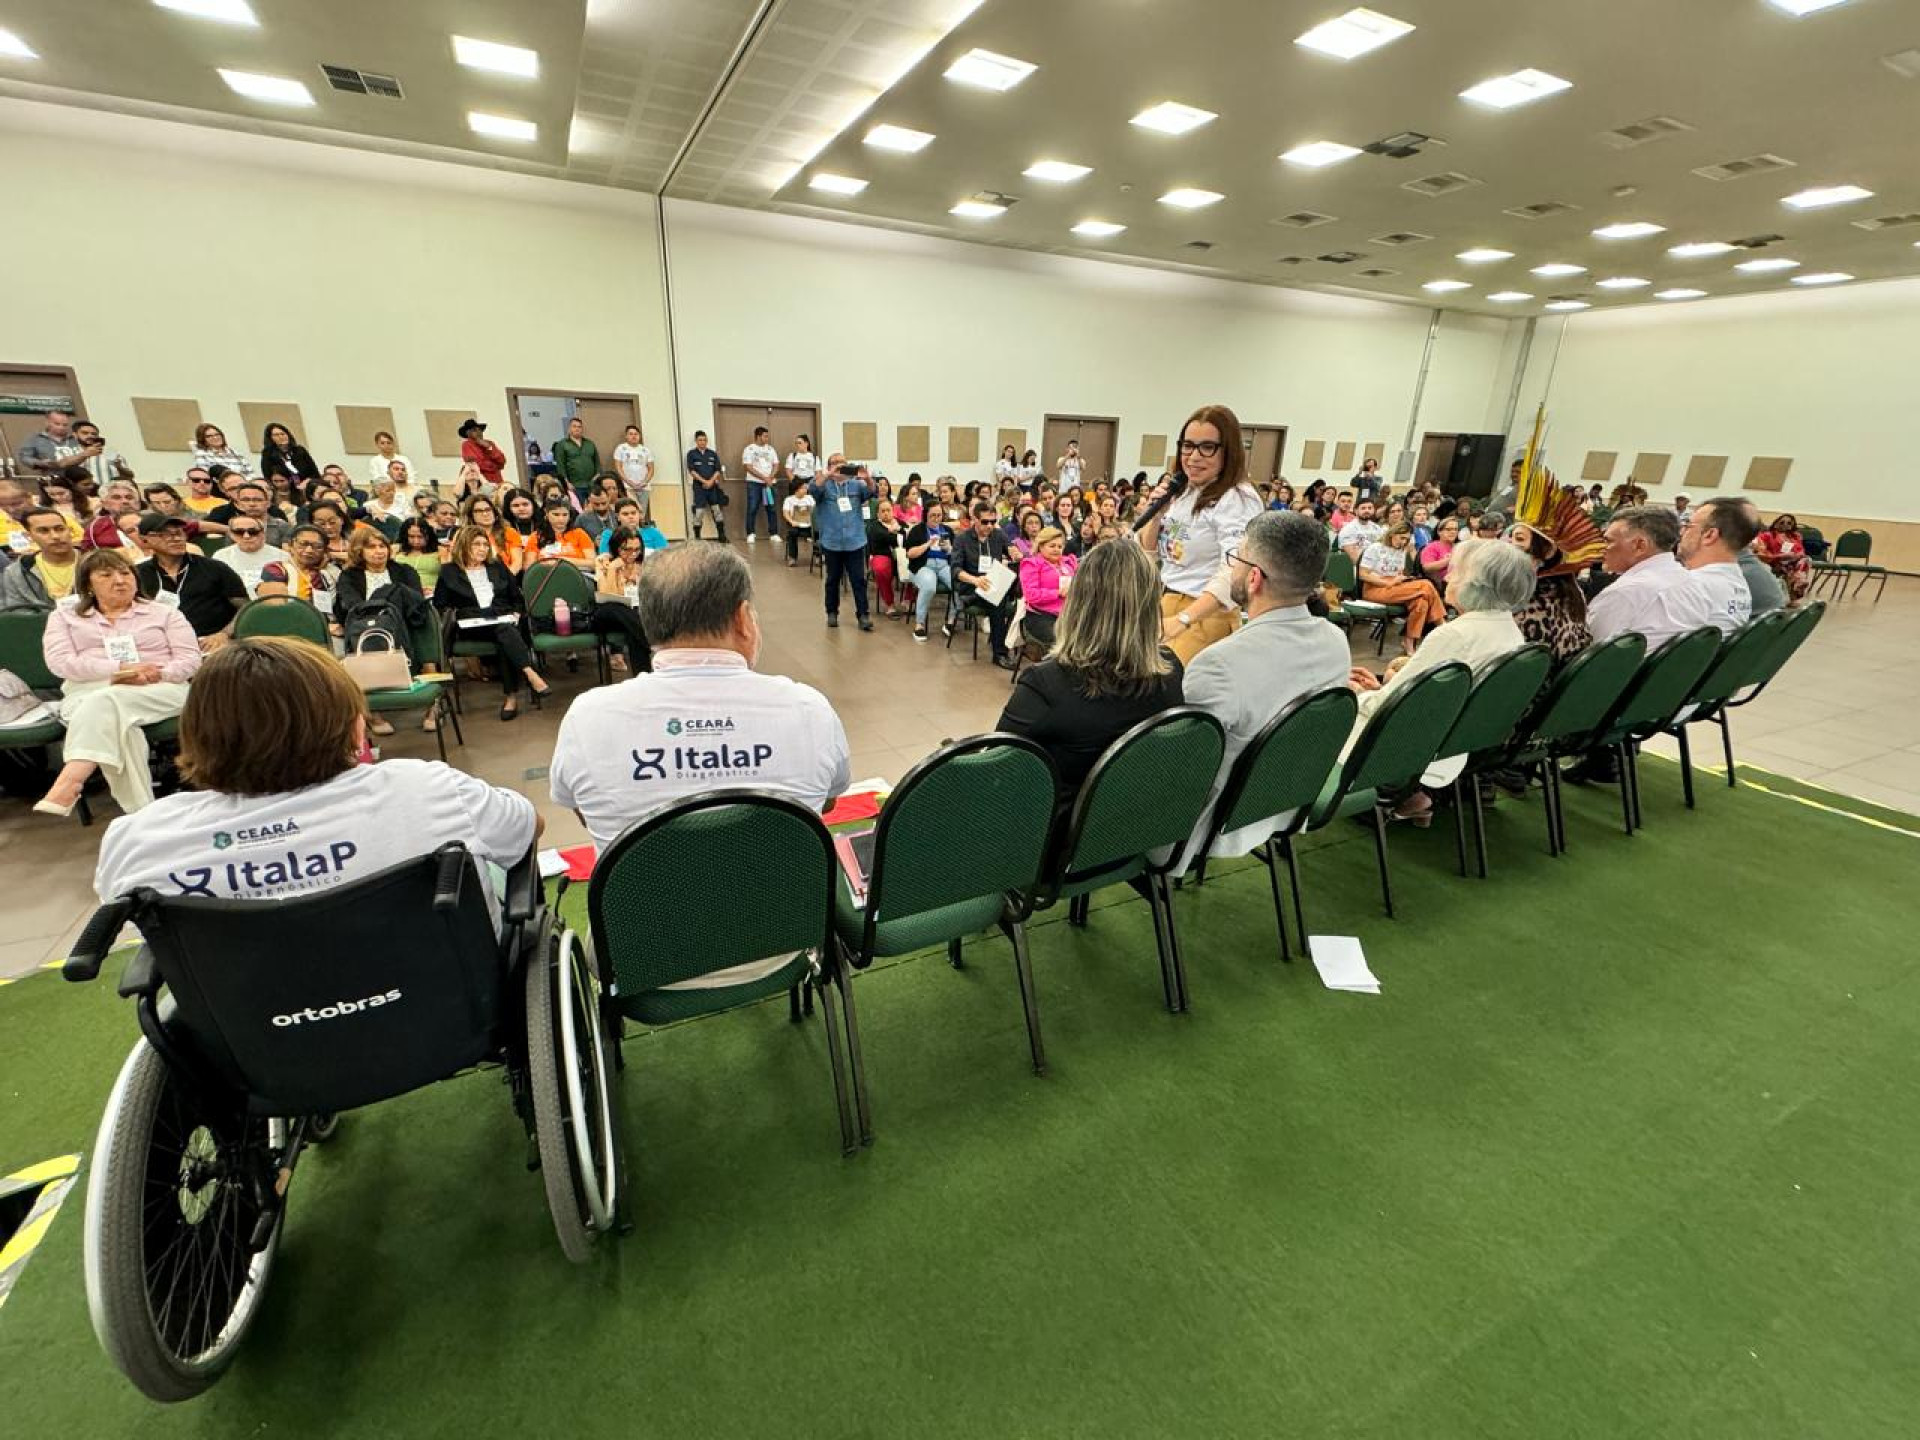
(76, 649)
(1040, 581)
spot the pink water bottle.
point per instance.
(562, 618)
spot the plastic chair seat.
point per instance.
(1373, 609)
(22, 737)
(663, 1006)
(414, 696)
(159, 730)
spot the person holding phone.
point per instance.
(1192, 536)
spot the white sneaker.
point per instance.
(751, 539)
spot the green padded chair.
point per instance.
(428, 695)
(1744, 660)
(646, 937)
(1139, 806)
(1567, 717)
(1654, 700)
(1399, 742)
(282, 615)
(1852, 555)
(547, 581)
(1340, 574)
(1495, 709)
(22, 653)
(1800, 624)
(1277, 779)
(917, 896)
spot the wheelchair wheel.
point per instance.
(180, 1189)
(572, 1109)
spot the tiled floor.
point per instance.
(1845, 715)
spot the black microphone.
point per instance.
(1176, 483)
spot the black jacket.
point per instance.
(1049, 707)
(351, 590)
(967, 553)
(289, 460)
(454, 592)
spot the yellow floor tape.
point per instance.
(1746, 772)
(55, 1177)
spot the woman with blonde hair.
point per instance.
(1044, 578)
(1193, 534)
(1108, 670)
(125, 662)
(1384, 580)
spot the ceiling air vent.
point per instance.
(1887, 222)
(1540, 211)
(1306, 219)
(1401, 146)
(1375, 274)
(1906, 64)
(1291, 260)
(1401, 237)
(361, 82)
(1443, 184)
(1740, 169)
(1198, 245)
(1341, 257)
(1642, 132)
(1758, 242)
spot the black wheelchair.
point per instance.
(260, 1023)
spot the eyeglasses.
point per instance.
(245, 530)
(1206, 449)
(1239, 557)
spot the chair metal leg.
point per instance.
(1686, 763)
(1726, 744)
(849, 1142)
(1479, 829)
(1631, 752)
(856, 1066)
(1550, 793)
(1265, 853)
(793, 1005)
(1173, 944)
(1460, 824)
(1162, 946)
(1077, 910)
(953, 954)
(1380, 849)
(1029, 1002)
(1293, 879)
(1626, 788)
(439, 728)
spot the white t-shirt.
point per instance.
(1007, 469)
(270, 847)
(761, 462)
(377, 466)
(482, 584)
(1383, 559)
(1729, 601)
(799, 510)
(248, 566)
(1193, 547)
(1359, 534)
(700, 721)
(1070, 469)
(802, 467)
(377, 580)
(634, 462)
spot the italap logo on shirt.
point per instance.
(718, 761)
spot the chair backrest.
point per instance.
(546, 581)
(1666, 680)
(1811, 535)
(1285, 767)
(1742, 658)
(647, 930)
(1498, 701)
(1003, 785)
(335, 998)
(1340, 572)
(1145, 792)
(281, 615)
(1403, 736)
(23, 648)
(1584, 693)
(1853, 545)
(1788, 638)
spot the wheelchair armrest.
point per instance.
(524, 894)
(142, 976)
(90, 950)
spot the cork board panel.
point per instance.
(1768, 472)
(860, 440)
(1343, 455)
(1704, 472)
(1600, 465)
(1376, 451)
(357, 424)
(963, 444)
(1015, 438)
(1313, 455)
(166, 425)
(913, 445)
(256, 415)
(1650, 468)
(443, 431)
(1153, 450)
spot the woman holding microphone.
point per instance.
(1194, 533)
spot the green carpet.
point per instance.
(1625, 1149)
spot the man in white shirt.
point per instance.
(1655, 595)
(1361, 531)
(250, 553)
(1712, 536)
(635, 463)
(760, 462)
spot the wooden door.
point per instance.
(1436, 459)
(605, 418)
(734, 422)
(1266, 444)
(1099, 437)
(28, 392)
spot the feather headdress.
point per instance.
(1555, 514)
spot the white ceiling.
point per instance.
(625, 85)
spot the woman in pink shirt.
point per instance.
(1044, 577)
(1437, 554)
(126, 663)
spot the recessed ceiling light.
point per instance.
(1622, 282)
(1568, 305)
(1804, 7)
(1317, 153)
(1098, 229)
(1694, 249)
(501, 127)
(1823, 277)
(836, 184)
(1354, 33)
(1558, 268)
(898, 137)
(978, 210)
(1679, 294)
(1060, 171)
(1765, 267)
(274, 89)
(501, 59)
(988, 71)
(1170, 117)
(1826, 195)
(1189, 199)
(234, 12)
(1509, 297)
(11, 44)
(1628, 230)
(1442, 287)
(1503, 92)
(1483, 255)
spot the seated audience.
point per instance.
(518, 542)
(375, 591)
(419, 548)
(314, 572)
(1712, 535)
(975, 552)
(251, 551)
(1435, 555)
(1107, 671)
(560, 536)
(210, 448)
(386, 455)
(1044, 578)
(1385, 581)
(911, 505)
(270, 735)
(930, 559)
(125, 662)
(43, 578)
(1785, 553)
(1556, 616)
(884, 534)
(330, 518)
(1653, 594)
(797, 512)
(179, 577)
(103, 531)
(281, 454)
(475, 587)
(1763, 586)
(251, 498)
